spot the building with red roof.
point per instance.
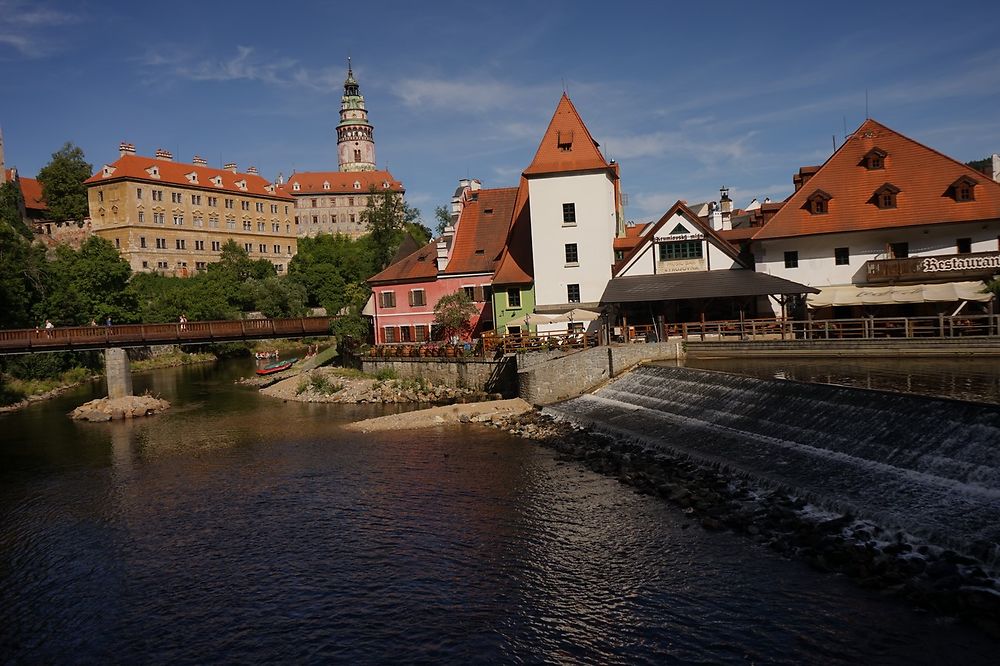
(175, 217)
(885, 210)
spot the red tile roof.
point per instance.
(134, 167)
(566, 145)
(633, 234)
(482, 231)
(341, 182)
(923, 176)
(31, 190)
(416, 267)
(516, 265)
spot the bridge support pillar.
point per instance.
(117, 372)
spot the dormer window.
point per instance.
(192, 177)
(964, 189)
(385, 185)
(217, 181)
(875, 159)
(564, 139)
(153, 171)
(326, 185)
(108, 171)
(818, 202)
(357, 185)
(295, 187)
(885, 196)
(242, 184)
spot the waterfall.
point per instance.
(927, 466)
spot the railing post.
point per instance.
(940, 325)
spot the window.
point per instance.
(247, 226)
(229, 203)
(248, 247)
(100, 196)
(138, 193)
(142, 241)
(161, 243)
(315, 219)
(673, 250)
(213, 202)
(818, 203)
(160, 218)
(262, 248)
(791, 259)
(405, 334)
(260, 226)
(199, 221)
(352, 218)
(420, 333)
(145, 264)
(841, 256)
(245, 205)
(470, 292)
(357, 155)
(142, 217)
(964, 245)
(199, 265)
(260, 207)
(176, 197)
(157, 195)
(513, 298)
(387, 299)
(276, 249)
(513, 330)
(161, 264)
(572, 293)
(118, 243)
(885, 196)
(569, 213)
(488, 298)
(178, 220)
(389, 333)
(964, 189)
(875, 159)
(572, 258)
(196, 199)
(417, 297)
(313, 203)
(179, 243)
(274, 208)
(216, 246)
(350, 201)
(199, 245)
(899, 250)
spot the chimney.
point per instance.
(281, 178)
(725, 203)
(804, 174)
(442, 251)
(164, 155)
(230, 166)
(126, 149)
(199, 161)
(252, 170)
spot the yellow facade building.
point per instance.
(174, 218)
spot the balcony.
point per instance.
(969, 266)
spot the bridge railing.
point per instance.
(99, 337)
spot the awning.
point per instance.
(576, 314)
(369, 309)
(729, 283)
(948, 292)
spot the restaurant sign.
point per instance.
(960, 263)
(972, 265)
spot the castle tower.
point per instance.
(355, 145)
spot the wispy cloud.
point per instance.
(664, 144)
(26, 28)
(476, 96)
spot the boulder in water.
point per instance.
(129, 407)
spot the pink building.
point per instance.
(405, 293)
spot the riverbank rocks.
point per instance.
(961, 585)
(129, 407)
(329, 385)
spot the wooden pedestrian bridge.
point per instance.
(83, 338)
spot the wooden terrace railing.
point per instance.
(75, 338)
(840, 329)
(521, 342)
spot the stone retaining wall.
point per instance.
(582, 371)
(473, 373)
(881, 347)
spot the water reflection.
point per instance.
(973, 379)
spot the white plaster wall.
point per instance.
(593, 194)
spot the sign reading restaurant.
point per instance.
(974, 265)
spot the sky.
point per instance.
(687, 97)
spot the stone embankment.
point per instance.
(477, 412)
(332, 385)
(954, 584)
(129, 407)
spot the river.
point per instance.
(237, 528)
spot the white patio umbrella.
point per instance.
(576, 314)
(534, 319)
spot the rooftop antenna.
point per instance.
(833, 137)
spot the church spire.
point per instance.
(355, 141)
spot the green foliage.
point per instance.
(388, 218)
(320, 383)
(453, 314)
(981, 165)
(350, 328)
(42, 366)
(443, 217)
(22, 275)
(385, 374)
(9, 394)
(279, 297)
(11, 208)
(333, 270)
(87, 284)
(62, 183)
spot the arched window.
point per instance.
(357, 155)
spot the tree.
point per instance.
(62, 183)
(984, 165)
(453, 315)
(387, 218)
(443, 217)
(22, 277)
(87, 284)
(332, 268)
(11, 209)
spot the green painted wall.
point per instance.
(503, 315)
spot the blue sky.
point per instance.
(686, 96)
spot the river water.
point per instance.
(238, 528)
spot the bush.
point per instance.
(322, 384)
(385, 374)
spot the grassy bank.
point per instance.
(14, 391)
(171, 360)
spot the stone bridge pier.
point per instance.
(117, 372)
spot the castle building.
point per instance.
(331, 202)
(174, 218)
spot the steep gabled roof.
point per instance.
(340, 182)
(137, 167)
(649, 235)
(31, 190)
(516, 265)
(923, 176)
(481, 231)
(419, 266)
(566, 145)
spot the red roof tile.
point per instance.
(481, 231)
(135, 167)
(416, 267)
(566, 145)
(340, 182)
(633, 234)
(31, 190)
(923, 176)
(516, 265)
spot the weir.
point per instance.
(929, 467)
